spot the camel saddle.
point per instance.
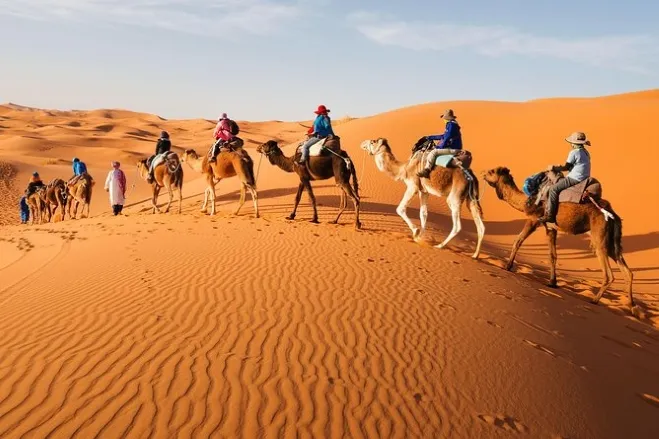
(316, 150)
(234, 144)
(462, 157)
(578, 193)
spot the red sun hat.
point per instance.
(322, 110)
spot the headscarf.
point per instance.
(116, 165)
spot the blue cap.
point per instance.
(35, 174)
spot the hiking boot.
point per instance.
(424, 174)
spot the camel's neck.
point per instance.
(510, 193)
(387, 163)
(196, 164)
(282, 162)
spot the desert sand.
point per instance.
(228, 326)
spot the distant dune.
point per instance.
(229, 326)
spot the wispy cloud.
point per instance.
(630, 53)
(205, 17)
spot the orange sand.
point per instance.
(195, 326)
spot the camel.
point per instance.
(228, 164)
(37, 205)
(571, 218)
(336, 163)
(80, 192)
(443, 182)
(55, 197)
(168, 173)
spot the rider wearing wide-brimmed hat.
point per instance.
(578, 165)
(450, 141)
(322, 127)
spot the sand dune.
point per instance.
(191, 326)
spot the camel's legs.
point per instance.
(529, 227)
(480, 226)
(211, 189)
(312, 197)
(423, 211)
(242, 198)
(255, 199)
(180, 197)
(401, 210)
(629, 277)
(551, 236)
(204, 209)
(170, 192)
(154, 200)
(454, 203)
(298, 196)
(342, 205)
(600, 250)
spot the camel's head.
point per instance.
(493, 176)
(268, 148)
(189, 154)
(142, 168)
(373, 146)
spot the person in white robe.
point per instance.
(115, 184)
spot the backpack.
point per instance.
(235, 129)
(532, 184)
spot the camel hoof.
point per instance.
(509, 267)
(334, 222)
(440, 246)
(552, 284)
(595, 301)
(416, 233)
(358, 226)
(315, 221)
(474, 256)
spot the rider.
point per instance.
(449, 141)
(578, 165)
(163, 146)
(34, 184)
(79, 168)
(222, 134)
(322, 127)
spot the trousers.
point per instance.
(554, 192)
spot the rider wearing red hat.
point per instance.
(322, 127)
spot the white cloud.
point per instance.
(204, 17)
(631, 53)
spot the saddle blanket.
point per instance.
(315, 150)
(573, 194)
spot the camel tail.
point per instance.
(355, 182)
(250, 178)
(474, 191)
(614, 237)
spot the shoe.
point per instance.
(424, 174)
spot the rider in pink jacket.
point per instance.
(222, 134)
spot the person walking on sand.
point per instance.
(115, 184)
(25, 210)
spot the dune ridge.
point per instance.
(229, 326)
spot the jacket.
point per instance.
(322, 126)
(32, 187)
(223, 131)
(163, 145)
(451, 139)
(79, 168)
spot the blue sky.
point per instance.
(279, 59)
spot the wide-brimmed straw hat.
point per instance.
(448, 115)
(577, 138)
